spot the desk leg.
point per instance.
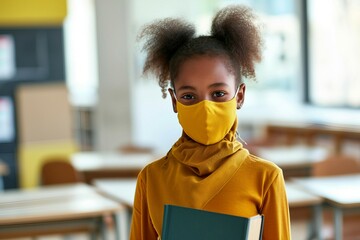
(122, 224)
(318, 217)
(103, 229)
(315, 226)
(93, 235)
(338, 223)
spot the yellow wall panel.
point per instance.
(32, 12)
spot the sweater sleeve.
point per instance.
(141, 225)
(276, 211)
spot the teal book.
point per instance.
(181, 223)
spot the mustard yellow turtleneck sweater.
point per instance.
(222, 177)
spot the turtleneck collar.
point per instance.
(205, 159)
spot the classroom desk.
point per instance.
(309, 132)
(295, 161)
(55, 209)
(341, 193)
(3, 172)
(298, 198)
(123, 190)
(93, 165)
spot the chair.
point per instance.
(59, 171)
(336, 165)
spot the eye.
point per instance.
(188, 97)
(218, 94)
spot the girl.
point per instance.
(208, 168)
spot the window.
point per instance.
(279, 74)
(281, 35)
(334, 52)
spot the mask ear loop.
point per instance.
(237, 135)
(237, 91)
(176, 98)
(174, 93)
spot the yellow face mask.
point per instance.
(207, 122)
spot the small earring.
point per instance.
(239, 106)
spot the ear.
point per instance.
(173, 99)
(240, 96)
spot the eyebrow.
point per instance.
(186, 88)
(221, 84)
(214, 85)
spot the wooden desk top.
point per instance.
(122, 190)
(298, 197)
(55, 203)
(109, 161)
(43, 193)
(344, 130)
(342, 191)
(292, 156)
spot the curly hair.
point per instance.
(234, 35)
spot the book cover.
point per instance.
(181, 223)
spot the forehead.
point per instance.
(203, 71)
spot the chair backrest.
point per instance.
(59, 171)
(336, 165)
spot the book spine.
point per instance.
(165, 227)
